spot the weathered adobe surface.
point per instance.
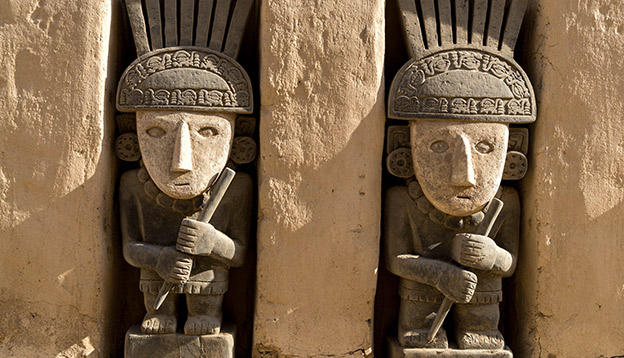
(570, 282)
(55, 178)
(321, 137)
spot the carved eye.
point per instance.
(439, 146)
(156, 132)
(208, 132)
(484, 147)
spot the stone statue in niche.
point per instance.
(185, 216)
(451, 232)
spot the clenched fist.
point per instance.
(474, 251)
(196, 237)
(174, 266)
(457, 284)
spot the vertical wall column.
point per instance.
(321, 137)
(56, 179)
(570, 291)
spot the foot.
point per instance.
(480, 340)
(417, 338)
(159, 324)
(202, 324)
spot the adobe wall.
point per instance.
(321, 137)
(57, 270)
(570, 279)
(319, 180)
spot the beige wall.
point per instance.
(321, 137)
(56, 179)
(571, 272)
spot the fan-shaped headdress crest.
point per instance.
(462, 65)
(187, 51)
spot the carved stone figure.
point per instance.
(451, 232)
(184, 220)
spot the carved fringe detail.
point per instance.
(434, 24)
(434, 296)
(194, 288)
(217, 24)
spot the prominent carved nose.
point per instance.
(182, 161)
(462, 173)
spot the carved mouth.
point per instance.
(463, 197)
(183, 184)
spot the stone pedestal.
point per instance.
(139, 345)
(396, 351)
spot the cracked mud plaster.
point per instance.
(56, 178)
(573, 195)
(321, 138)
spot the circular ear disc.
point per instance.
(400, 164)
(243, 150)
(516, 166)
(127, 147)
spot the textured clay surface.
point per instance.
(321, 137)
(56, 261)
(570, 284)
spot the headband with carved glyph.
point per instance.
(462, 65)
(187, 52)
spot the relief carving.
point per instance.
(451, 232)
(185, 214)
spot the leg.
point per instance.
(204, 314)
(415, 320)
(162, 321)
(477, 326)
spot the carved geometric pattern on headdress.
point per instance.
(187, 51)
(502, 90)
(462, 65)
(236, 96)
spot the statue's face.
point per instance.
(459, 165)
(184, 152)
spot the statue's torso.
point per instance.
(157, 220)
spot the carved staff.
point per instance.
(208, 209)
(484, 228)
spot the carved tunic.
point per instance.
(415, 229)
(151, 220)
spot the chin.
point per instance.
(457, 207)
(182, 193)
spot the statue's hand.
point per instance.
(196, 237)
(457, 284)
(174, 266)
(474, 251)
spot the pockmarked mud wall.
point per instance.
(570, 279)
(56, 179)
(321, 136)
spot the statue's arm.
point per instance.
(498, 255)
(203, 239)
(508, 236)
(135, 251)
(399, 236)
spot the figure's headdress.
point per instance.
(462, 68)
(187, 51)
(186, 61)
(462, 65)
